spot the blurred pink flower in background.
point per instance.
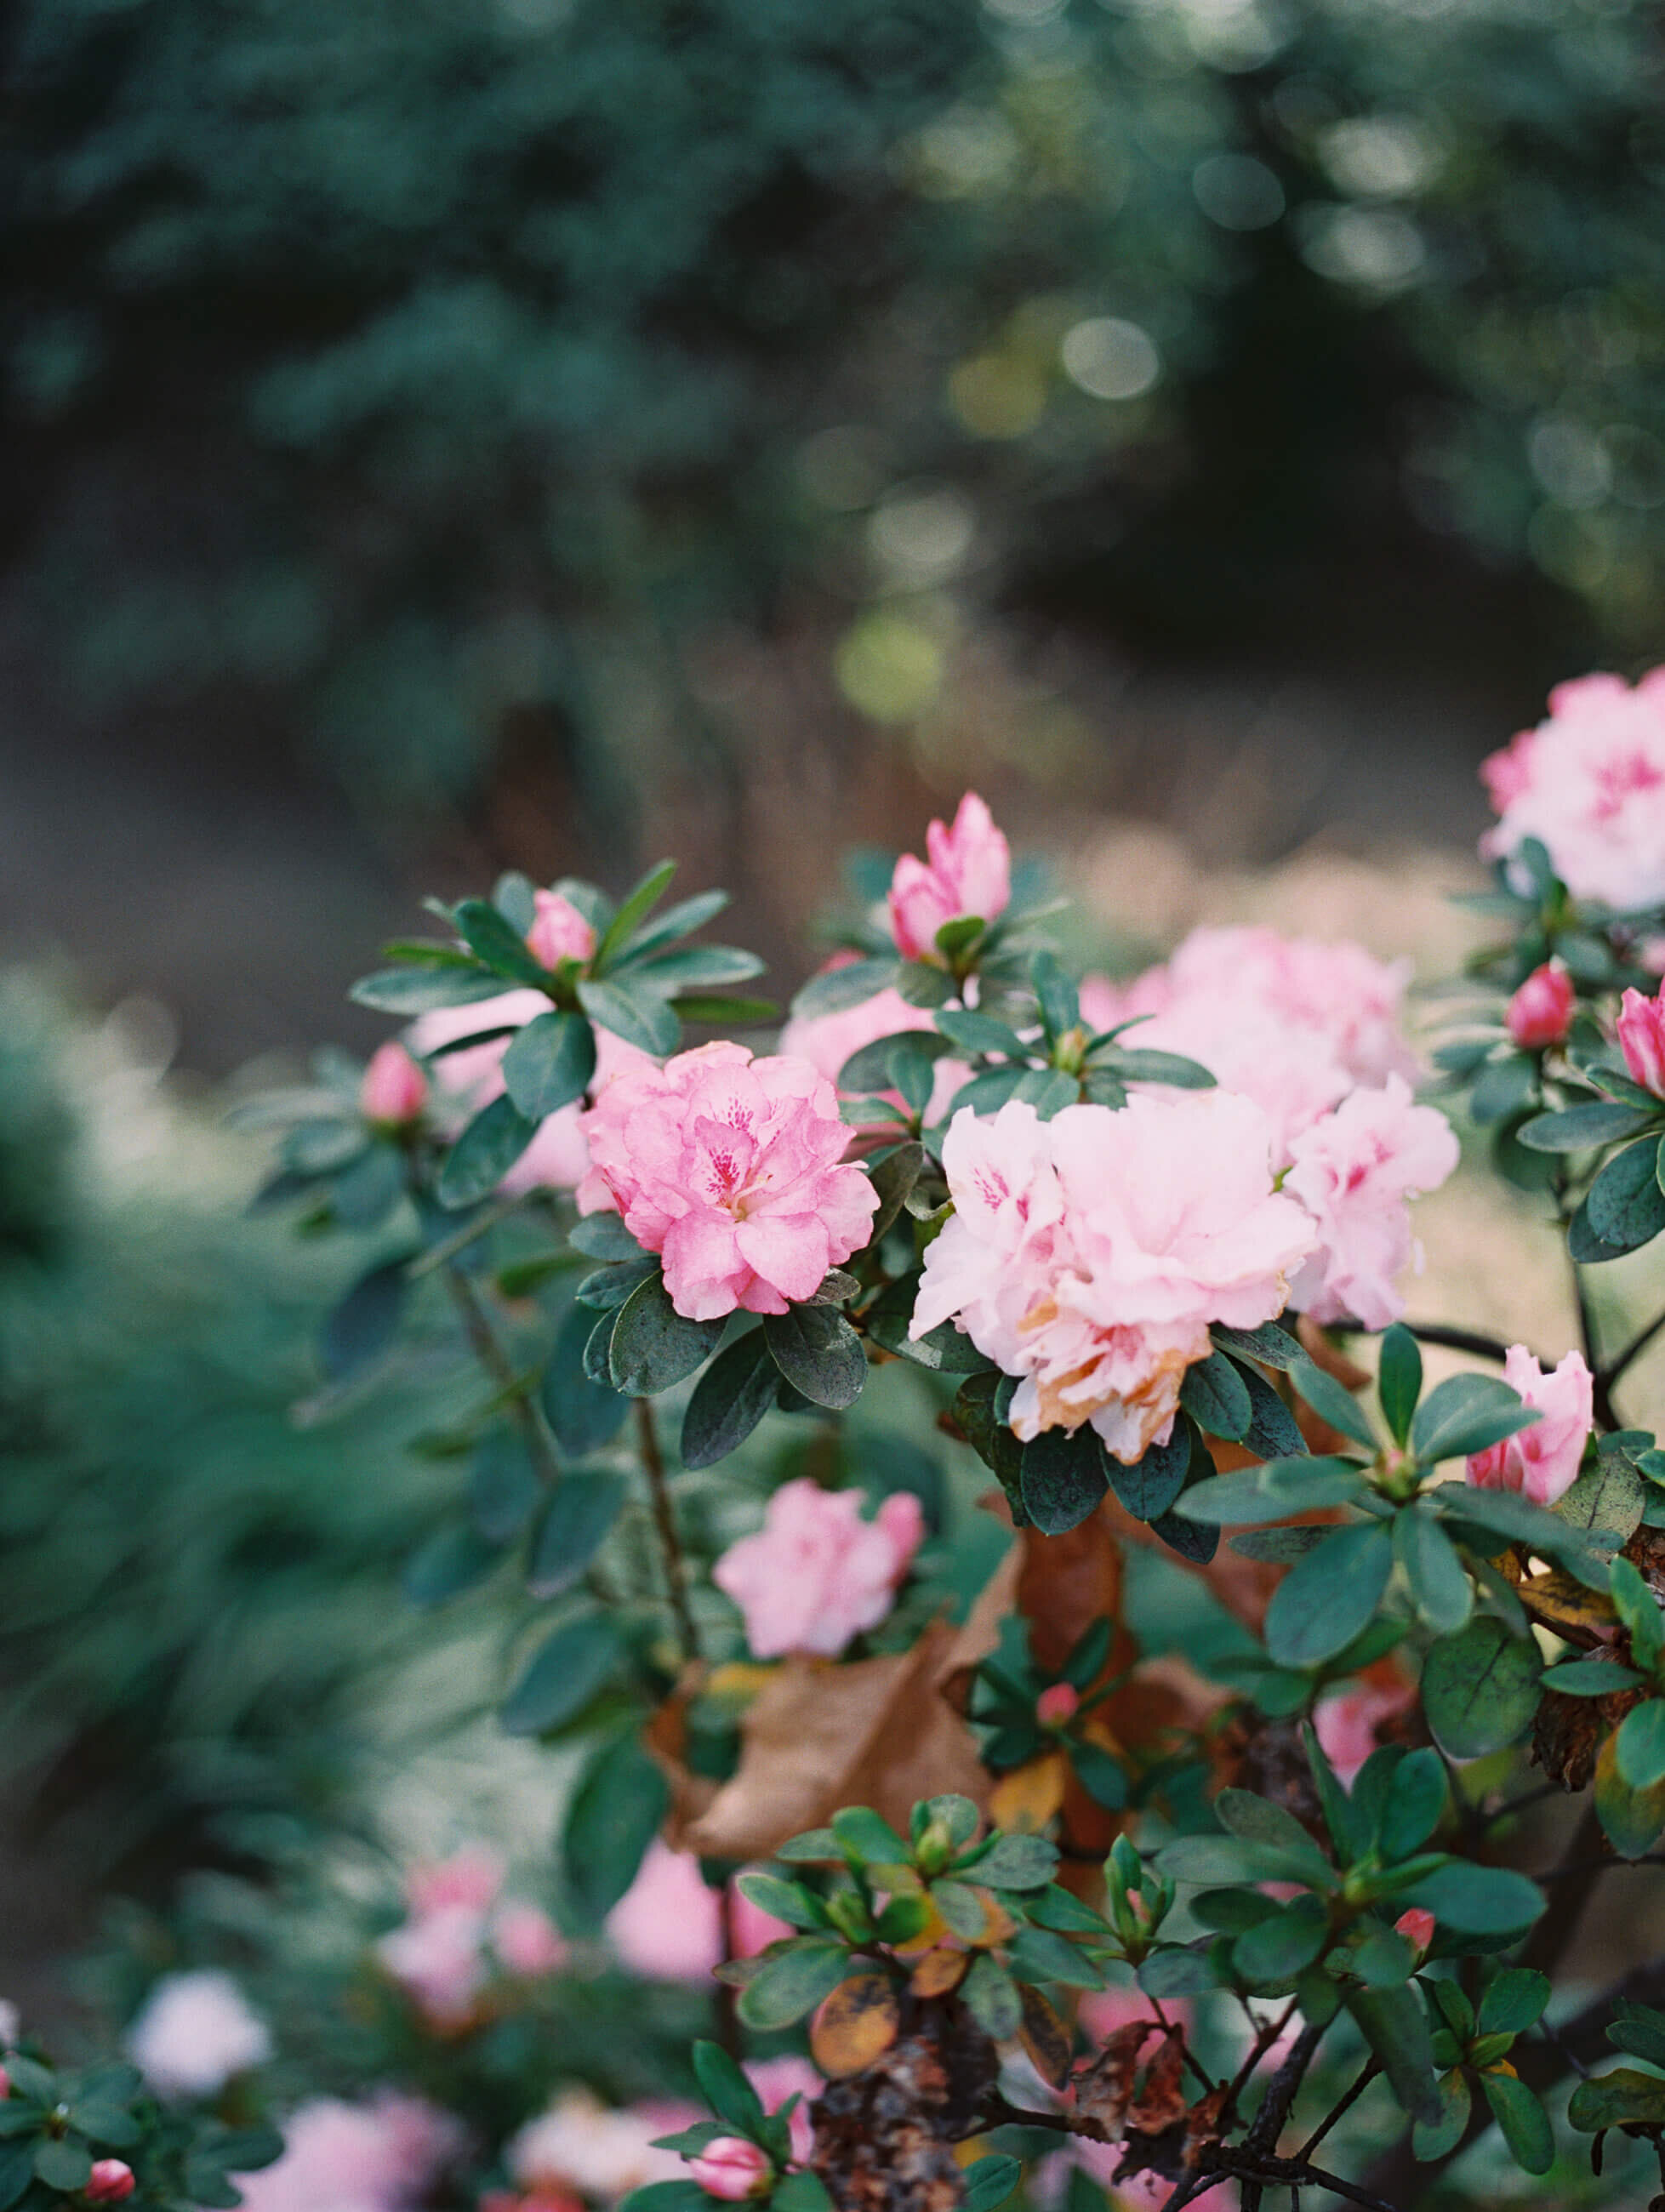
(827, 1041)
(379, 2156)
(1540, 1462)
(442, 1953)
(817, 1573)
(668, 1925)
(731, 1168)
(1540, 1011)
(968, 873)
(1589, 783)
(559, 932)
(1642, 1039)
(527, 1941)
(581, 2143)
(394, 1088)
(776, 2079)
(194, 2032)
(472, 1876)
(1353, 1171)
(1346, 1722)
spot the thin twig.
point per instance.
(1636, 1345)
(1604, 1862)
(1166, 2026)
(1459, 1340)
(676, 1570)
(1336, 2111)
(1267, 2033)
(1269, 2122)
(482, 1342)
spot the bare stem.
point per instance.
(1459, 1340)
(1633, 1350)
(1344, 2105)
(675, 1568)
(484, 1343)
(1280, 2092)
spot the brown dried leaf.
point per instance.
(667, 1738)
(1045, 2038)
(1065, 1583)
(1162, 2100)
(1203, 2123)
(1026, 1798)
(1104, 2087)
(855, 2025)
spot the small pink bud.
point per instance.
(559, 932)
(1057, 1705)
(1417, 1927)
(733, 2169)
(5, 2082)
(1642, 1039)
(394, 1088)
(110, 2180)
(1540, 1011)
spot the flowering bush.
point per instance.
(880, 1735)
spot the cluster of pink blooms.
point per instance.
(668, 1925)
(731, 1167)
(817, 1573)
(1642, 1039)
(1088, 1255)
(967, 875)
(194, 2032)
(459, 1929)
(1589, 783)
(382, 2155)
(1540, 1462)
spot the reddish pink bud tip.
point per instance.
(394, 1088)
(1057, 1705)
(1417, 1927)
(1642, 1039)
(5, 2082)
(1540, 1011)
(732, 2169)
(109, 2182)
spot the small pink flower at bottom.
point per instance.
(1417, 1927)
(559, 932)
(1540, 1462)
(527, 1941)
(109, 2182)
(5, 2083)
(1540, 1011)
(1642, 1039)
(539, 2200)
(668, 1924)
(1345, 1724)
(471, 1876)
(817, 1573)
(732, 2169)
(1057, 1704)
(394, 1089)
(968, 875)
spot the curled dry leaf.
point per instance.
(855, 2025)
(1104, 2087)
(1161, 2102)
(1045, 2038)
(1203, 2124)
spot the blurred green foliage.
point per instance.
(438, 370)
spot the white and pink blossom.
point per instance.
(602, 2151)
(967, 874)
(1541, 1462)
(194, 2032)
(382, 2155)
(818, 1573)
(1589, 782)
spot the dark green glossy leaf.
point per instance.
(1329, 1597)
(576, 1521)
(364, 1325)
(1639, 1746)
(653, 1346)
(729, 1400)
(1331, 1403)
(563, 1674)
(1414, 1807)
(894, 1179)
(1216, 1396)
(1063, 1479)
(990, 1996)
(1625, 1205)
(640, 1016)
(1272, 1431)
(1513, 2001)
(1584, 1128)
(549, 1064)
(990, 2181)
(613, 1814)
(1399, 1380)
(1272, 1345)
(454, 1558)
(1478, 1900)
(792, 1983)
(1624, 2097)
(494, 940)
(819, 1353)
(1481, 1687)
(836, 989)
(633, 908)
(583, 1414)
(1439, 1585)
(410, 991)
(1276, 1949)
(1465, 1415)
(1396, 2027)
(1272, 1492)
(1149, 1488)
(484, 1153)
(1524, 2123)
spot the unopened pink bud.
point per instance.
(1540, 1011)
(733, 2169)
(1642, 1039)
(1417, 1927)
(1057, 1705)
(110, 2180)
(559, 932)
(394, 1088)
(5, 2082)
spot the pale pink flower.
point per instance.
(968, 872)
(817, 1573)
(827, 1041)
(1417, 1927)
(1540, 1462)
(1589, 783)
(732, 2169)
(559, 932)
(1642, 1039)
(776, 2079)
(1540, 1011)
(1089, 1254)
(668, 1924)
(750, 1929)
(1346, 1722)
(1058, 1703)
(393, 1090)
(194, 2032)
(437, 1959)
(580, 2143)
(472, 1876)
(379, 2156)
(1353, 1172)
(527, 1941)
(111, 2181)
(731, 1168)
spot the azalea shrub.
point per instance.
(1021, 1596)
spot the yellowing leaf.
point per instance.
(1028, 1797)
(938, 1972)
(1045, 2038)
(936, 1930)
(857, 2024)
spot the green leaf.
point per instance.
(1438, 1584)
(729, 1400)
(366, 1191)
(1466, 1414)
(1478, 1900)
(32, 2080)
(1036, 1954)
(1606, 1501)
(613, 1814)
(484, 1153)
(1481, 1687)
(364, 1326)
(791, 1983)
(894, 1179)
(634, 908)
(1272, 1492)
(1625, 1205)
(1101, 1775)
(1383, 1959)
(1063, 1479)
(1505, 1087)
(696, 967)
(837, 989)
(1150, 1485)
(975, 1034)
(787, 1900)
(1431, 2140)
(1276, 1949)
(576, 1521)
(1583, 1128)
(867, 1838)
(64, 2164)
(814, 1847)
(679, 921)
(1331, 1403)
(1639, 1746)
(1329, 1597)
(1630, 1818)
(803, 2192)
(1584, 1245)
(1272, 1432)
(1396, 2027)
(1259, 1821)
(637, 1015)
(564, 1674)
(494, 940)
(603, 1236)
(1638, 2029)
(990, 2181)
(454, 1558)
(409, 991)
(727, 2089)
(819, 1353)
(1399, 1380)
(1524, 2123)
(1018, 1862)
(1624, 2097)
(1639, 1609)
(1061, 1009)
(1217, 1398)
(1212, 1859)
(1272, 1345)
(1415, 1805)
(679, 2194)
(1174, 1969)
(653, 1347)
(549, 1064)
(1513, 2001)
(720, 1012)
(990, 1996)
(104, 2124)
(1590, 1678)
(582, 1414)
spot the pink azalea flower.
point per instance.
(194, 2032)
(668, 1924)
(968, 872)
(1345, 1724)
(580, 2143)
(1353, 1171)
(1417, 1927)
(1589, 783)
(731, 1168)
(379, 2156)
(559, 932)
(1540, 1462)
(1642, 1039)
(732, 2169)
(471, 1876)
(1540, 1011)
(527, 1941)
(394, 1089)
(1058, 1703)
(1089, 1254)
(437, 1959)
(817, 1573)
(827, 1041)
